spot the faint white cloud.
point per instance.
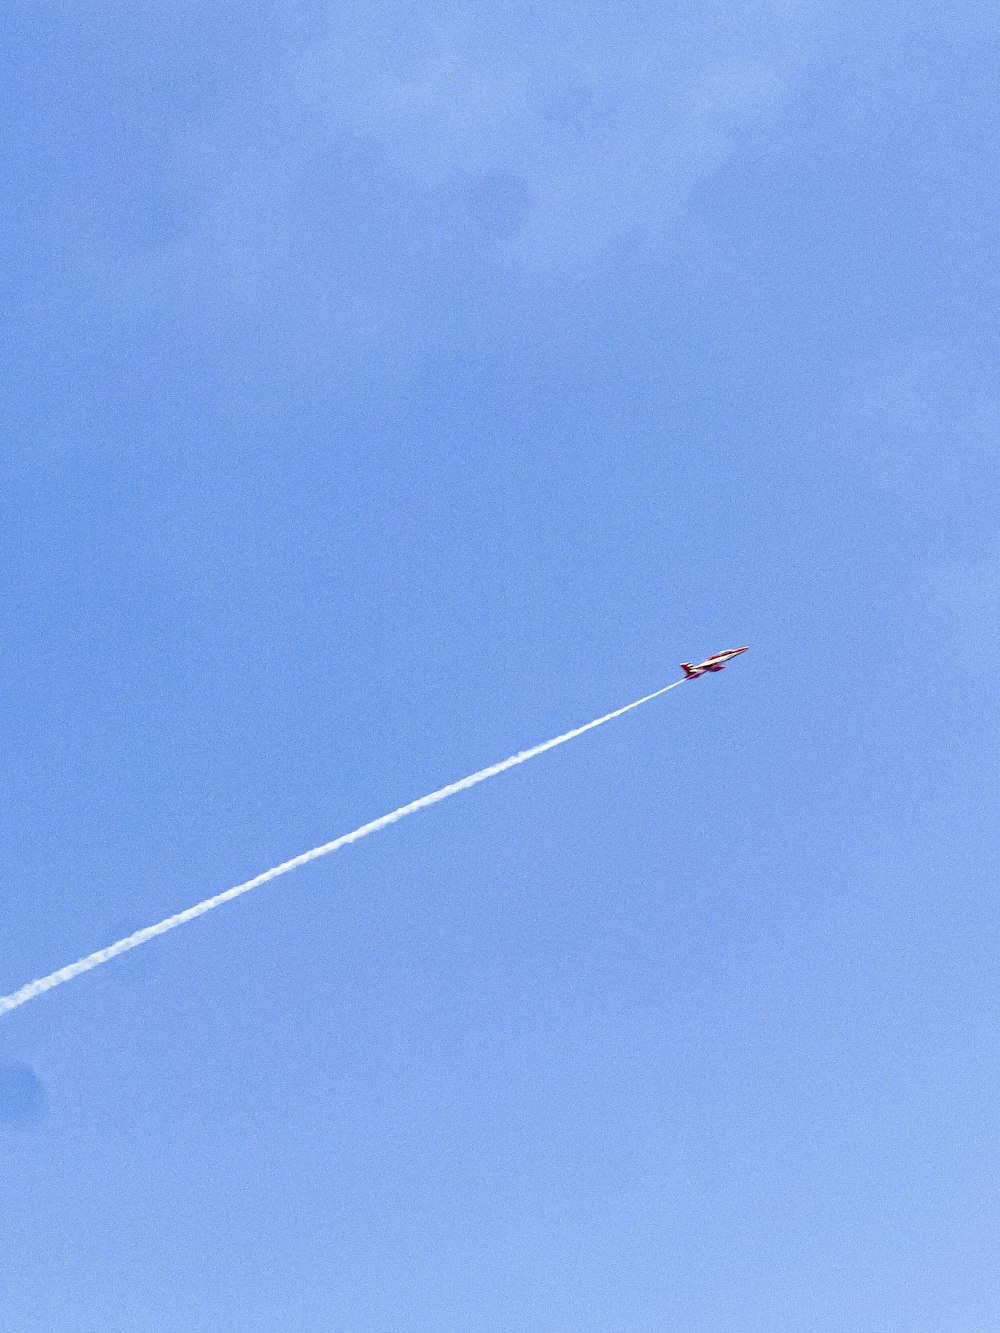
(602, 117)
(346, 209)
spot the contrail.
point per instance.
(35, 988)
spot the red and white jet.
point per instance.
(714, 663)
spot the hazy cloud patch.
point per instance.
(349, 195)
(574, 124)
(604, 123)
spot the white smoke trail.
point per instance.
(35, 988)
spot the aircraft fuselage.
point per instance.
(716, 662)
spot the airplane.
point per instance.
(714, 663)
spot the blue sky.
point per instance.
(390, 388)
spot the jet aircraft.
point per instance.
(714, 663)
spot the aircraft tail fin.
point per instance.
(689, 671)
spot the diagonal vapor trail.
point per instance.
(33, 989)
